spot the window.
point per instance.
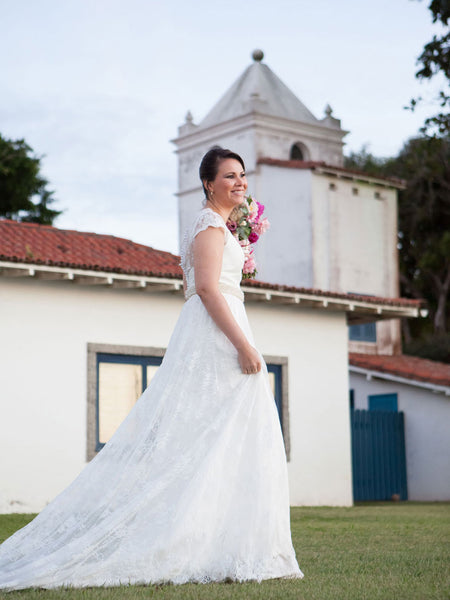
(117, 376)
(386, 402)
(296, 152)
(121, 379)
(299, 152)
(352, 399)
(277, 367)
(366, 332)
(275, 384)
(332, 187)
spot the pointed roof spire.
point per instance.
(258, 89)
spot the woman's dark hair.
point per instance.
(210, 164)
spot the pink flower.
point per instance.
(262, 226)
(232, 226)
(253, 237)
(249, 266)
(260, 208)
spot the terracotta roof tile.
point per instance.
(47, 245)
(314, 164)
(409, 367)
(357, 297)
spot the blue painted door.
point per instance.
(383, 402)
(378, 455)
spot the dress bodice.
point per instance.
(233, 256)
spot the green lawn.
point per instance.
(385, 551)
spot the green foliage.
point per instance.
(435, 58)
(23, 191)
(433, 347)
(381, 551)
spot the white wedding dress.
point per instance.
(193, 485)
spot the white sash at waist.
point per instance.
(223, 287)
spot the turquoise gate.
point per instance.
(378, 455)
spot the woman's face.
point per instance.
(230, 184)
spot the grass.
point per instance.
(383, 551)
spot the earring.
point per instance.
(211, 195)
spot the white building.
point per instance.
(85, 320)
(421, 390)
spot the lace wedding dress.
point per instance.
(191, 487)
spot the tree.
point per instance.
(424, 234)
(435, 58)
(424, 223)
(23, 191)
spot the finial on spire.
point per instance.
(257, 55)
(189, 118)
(328, 110)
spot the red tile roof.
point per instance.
(409, 367)
(356, 297)
(315, 164)
(47, 245)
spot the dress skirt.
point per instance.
(192, 487)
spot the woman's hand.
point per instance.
(249, 360)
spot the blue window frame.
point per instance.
(139, 382)
(277, 389)
(277, 367)
(366, 332)
(117, 376)
(386, 402)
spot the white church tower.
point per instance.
(331, 229)
(258, 116)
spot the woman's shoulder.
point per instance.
(205, 218)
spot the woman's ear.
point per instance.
(207, 185)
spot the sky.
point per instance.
(98, 88)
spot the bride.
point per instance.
(193, 485)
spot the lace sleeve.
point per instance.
(207, 218)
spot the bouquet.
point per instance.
(247, 225)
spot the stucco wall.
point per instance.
(46, 327)
(316, 345)
(427, 418)
(284, 254)
(354, 237)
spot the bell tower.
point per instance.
(258, 116)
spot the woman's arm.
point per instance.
(208, 253)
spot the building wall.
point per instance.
(354, 237)
(427, 418)
(354, 247)
(315, 343)
(46, 327)
(284, 254)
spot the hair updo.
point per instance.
(211, 161)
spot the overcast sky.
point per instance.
(100, 86)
